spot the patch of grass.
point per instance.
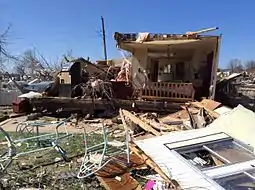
(22, 173)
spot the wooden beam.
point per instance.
(139, 122)
(160, 126)
(211, 112)
(89, 104)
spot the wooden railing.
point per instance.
(168, 91)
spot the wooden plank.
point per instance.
(211, 112)
(139, 122)
(143, 156)
(115, 175)
(210, 104)
(161, 126)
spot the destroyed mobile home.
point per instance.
(160, 135)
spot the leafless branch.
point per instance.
(3, 45)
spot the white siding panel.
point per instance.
(187, 176)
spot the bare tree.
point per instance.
(20, 69)
(250, 65)
(5, 56)
(68, 56)
(235, 65)
(33, 64)
(3, 43)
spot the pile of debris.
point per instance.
(235, 89)
(110, 155)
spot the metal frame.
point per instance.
(245, 172)
(204, 145)
(52, 139)
(88, 167)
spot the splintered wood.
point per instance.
(116, 175)
(139, 122)
(148, 161)
(211, 112)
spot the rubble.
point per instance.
(126, 126)
(147, 123)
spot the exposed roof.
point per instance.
(229, 78)
(162, 41)
(132, 37)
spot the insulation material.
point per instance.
(125, 72)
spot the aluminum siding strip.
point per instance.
(231, 169)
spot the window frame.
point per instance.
(244, 172)
(204, 146)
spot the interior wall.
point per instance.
(167, 77)
(139, 66)
(141, 63)
(192, 65)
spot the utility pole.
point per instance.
(104, 40)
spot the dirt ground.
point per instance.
(12, 125)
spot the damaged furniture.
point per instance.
(32, 142)
(99, 155)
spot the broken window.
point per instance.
(231, 151)
(240, 181)
(213, 154)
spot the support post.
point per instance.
(104, 40)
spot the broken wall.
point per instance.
(139, 66)
(142, 62)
